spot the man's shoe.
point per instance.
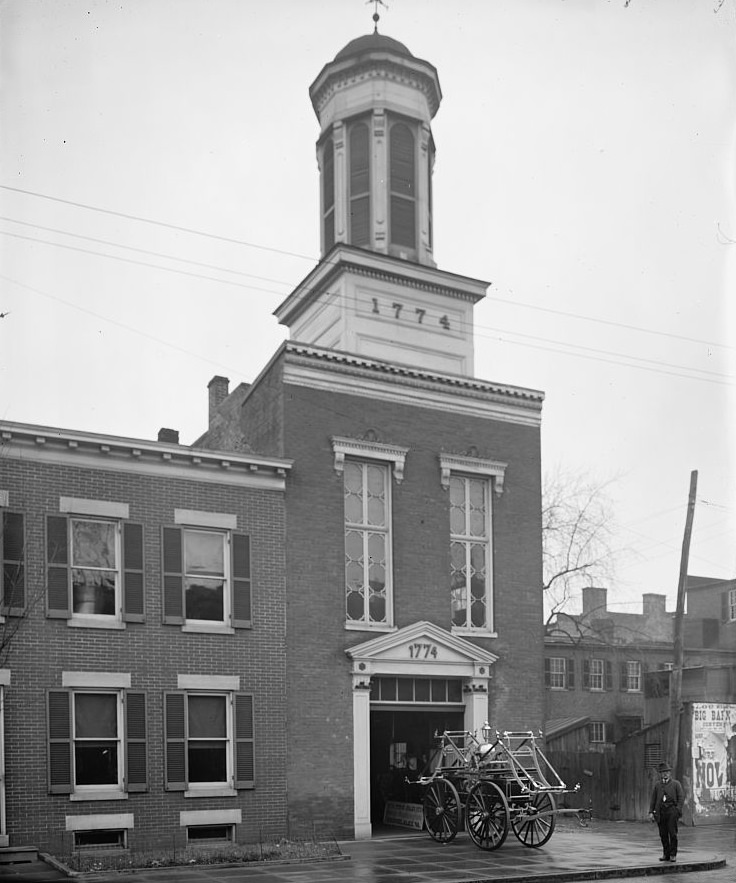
(672, 859)
(665, 858)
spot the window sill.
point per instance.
(211, 792)
(473, 633)
(369, 627)
(95, 623)
(214, 629)
(78, 796)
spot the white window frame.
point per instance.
(228, 782)
(364, 528)
(558, 670)
(107, 788)
(467, 541)
(227, 588)
(597, 675)
(598, 728)
(633, 676)
(96, 618)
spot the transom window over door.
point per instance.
(367, 543)
(470, 552)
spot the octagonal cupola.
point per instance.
(374, 103)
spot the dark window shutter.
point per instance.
(12, 543)
(328, 193)
(173, 576)
(570, 674)
(725, 607)
(244, 741)
(60, 742)
(623, 684)
(586, 674)
(136, 778)
(133, 606)
(403, 222)
(360, 233)
(402, 186)
(57, 567)
(547, 672)
(241, 580)
(175, 737)
(608, 669)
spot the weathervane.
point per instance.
(376, 16)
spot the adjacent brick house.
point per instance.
(601, 665)
(143, 672)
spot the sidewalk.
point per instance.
(605, 850)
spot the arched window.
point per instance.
(359, 146)
(402, 186)
(328, 194)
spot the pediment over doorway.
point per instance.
(421, 649)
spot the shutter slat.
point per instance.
(133, 602)
(60, 744)
(173, 576)
(244, 741)
(57, 570)
(12, 574)
(175, 738)
(241, 578)
(136, 775)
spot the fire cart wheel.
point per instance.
(442, 810)
(487, 815)
(534, 819)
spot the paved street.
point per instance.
(605, 850)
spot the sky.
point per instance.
(159, 198)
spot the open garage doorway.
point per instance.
(404, 746)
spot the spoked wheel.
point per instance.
(487, 815)
(534, 820)
(442, 810)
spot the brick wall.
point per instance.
(154, 654)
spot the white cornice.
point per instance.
(46, 444)
(346, 259)
(354, 375)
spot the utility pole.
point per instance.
(676, 676)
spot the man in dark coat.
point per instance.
(665, 808)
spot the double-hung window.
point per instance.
(729, 606)
(559, 673)
(472, 484)
(209, 742)
(597, 731)
(597, 674)
(630, 677)
(366, 466)
(470, 552)
(94, 559)
(367, 543)
(207, 582)
(97, 741)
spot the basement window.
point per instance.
(204, 834)
(107, 838)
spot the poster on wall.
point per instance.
(714, 759)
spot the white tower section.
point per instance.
(376, 291)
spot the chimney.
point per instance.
(653, 605)
(219, 390)
(594, 601)
(170, 436)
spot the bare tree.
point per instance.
(577, 531)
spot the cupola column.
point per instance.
(378, 183)
(341, 194)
